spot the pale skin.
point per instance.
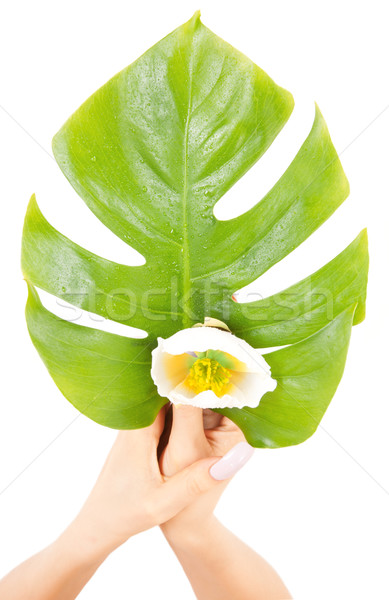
(136, 491)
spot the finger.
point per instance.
(156, 428)
(143, 440)
(227, 425)
(185, 487)
(187, 429)
(211, 419)
(222, 441)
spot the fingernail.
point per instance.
(231, 462)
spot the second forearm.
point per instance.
(59, 572)
(220, 566)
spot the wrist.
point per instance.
(83, 545)
(191, 536)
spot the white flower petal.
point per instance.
(171, 360)
(254, 386)
(208, 399)
(201, 339)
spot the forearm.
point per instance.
(59, 572)
(220, 566)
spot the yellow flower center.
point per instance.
(208, 374)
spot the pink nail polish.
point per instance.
(231, 462)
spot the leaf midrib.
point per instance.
(186, 281)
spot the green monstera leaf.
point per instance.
(150, 153)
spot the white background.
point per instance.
(318, 512)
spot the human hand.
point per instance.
(197, 434)
(132, 494)
(217, 563)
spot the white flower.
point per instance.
(210, 368)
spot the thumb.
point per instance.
(193, 481)
(188, 428)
